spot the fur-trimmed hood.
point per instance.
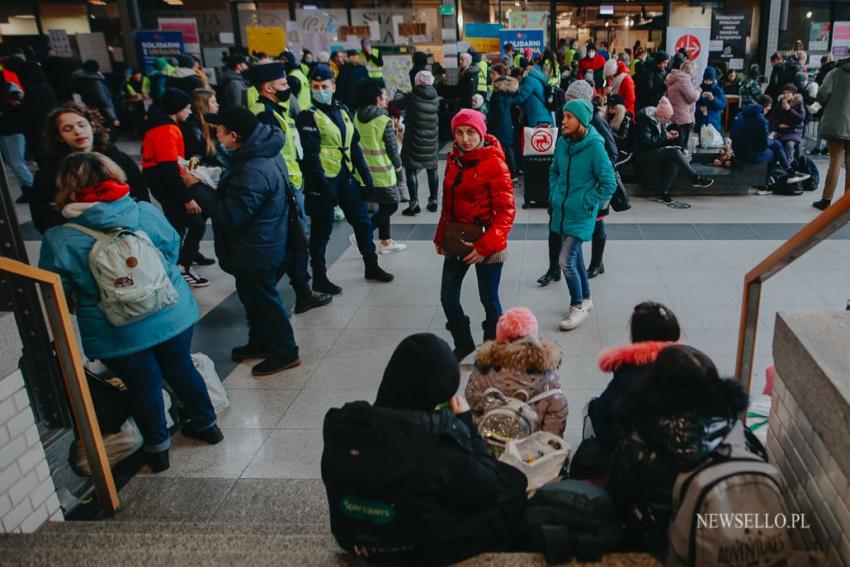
(636, 354)
(506, 84)
(524, 355)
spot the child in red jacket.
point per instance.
(162, 147)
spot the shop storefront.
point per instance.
(819, 26)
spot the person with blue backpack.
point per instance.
(117, 259)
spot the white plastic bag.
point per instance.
(218, 395)
(118, 447)
(539, 141)
(208, 175)
(709, 137)
(539, 456)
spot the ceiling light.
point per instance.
(97, 2)
(24, 16)
(809, 15)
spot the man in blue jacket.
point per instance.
(532, 97)
(332, 151)
(249, 212)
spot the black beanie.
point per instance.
(422, 373)
(174, 100)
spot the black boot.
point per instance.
(462, 337)
(158, 461)
(597, 249)
(307, 299)
(412, 209)
(432, 204)
(489, 331)
(374, 271)
(594, 270)
(823, 204)
(553, 274)
(210, 435)
(321, 284)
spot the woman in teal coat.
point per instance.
(581, 177)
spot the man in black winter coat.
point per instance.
(249, 213)
(351, 75)
(651, 86)
(90, 84)
(409, 479)
(468, 86)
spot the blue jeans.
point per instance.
(13, 147)
(268, 325)
(143, 373)
(321, 215)
(489, 276)
(575, 273)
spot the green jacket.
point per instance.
(580, 178)
(834, 95)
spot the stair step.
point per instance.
(214, 527)
(171, 558)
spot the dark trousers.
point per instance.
(296, 268)
(413, 183)
(510, 158)
(670, 161)
(489, 276)
(381, 219)
(597, 245)
(268, 326)
(191, 229)
(321, 215)
(555, 243)
(684, 133)
(144, 372)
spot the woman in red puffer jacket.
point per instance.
(477, 190)
(620, 82)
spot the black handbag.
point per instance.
(620, 199)
(297, 239)
(111, 405)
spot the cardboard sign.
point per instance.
(355, 31)
(411, 29)
(270, 41)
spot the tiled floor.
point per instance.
(693, 260)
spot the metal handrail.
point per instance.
(71, 365)
(819, 229)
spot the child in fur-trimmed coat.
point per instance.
(519, 362)
(653, 328)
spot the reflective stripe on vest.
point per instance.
(289, 151)
(372, 143)
(304, 99)
(331, 148)
(375, 72)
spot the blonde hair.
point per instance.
(688, 67)
(802, 56)
(85, 169)
(618, 117)
(201, 106)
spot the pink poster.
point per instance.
(841, 40)
(188, 27)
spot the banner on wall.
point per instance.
(729, 30)
(527, 20)
(819, 36)
(155, 43)
(695, 41)
(188, 27)
(535, 39)
(270, 41)
(483, 37)
(840, 40)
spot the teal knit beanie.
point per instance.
(581, 109)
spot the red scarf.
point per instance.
(108, 191)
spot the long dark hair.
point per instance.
(53, 141)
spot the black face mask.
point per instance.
(283, 95)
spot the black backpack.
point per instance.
(805, 165)
(778, 183)
(572, 518)
(554, 97)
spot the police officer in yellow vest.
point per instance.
(372, 57)
(484, 86)
(297, 81)
(331, 155)
(380, 150)
(272, 108)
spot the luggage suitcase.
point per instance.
(535, 181)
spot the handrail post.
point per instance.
(748, 333)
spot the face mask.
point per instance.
(308, 59)
(223, 149)
(322, 97)
(283, 95)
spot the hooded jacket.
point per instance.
(477, 188)
(630, 366)
(789, 124)
(499, 121)
(421, 127)
(749, 133)
(596, 65)
(468, 85)
(232, 88)
(65, 251)
(674, 427)
(834, 95)
(623, 85)
(95, 94)
(44, 213)
(683, 95)
(714, 108)
(416, 487)
(581, 177)
(525, 365)
(249, 209)
(532, 98)
(185, 79)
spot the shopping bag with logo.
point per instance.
(539, 141)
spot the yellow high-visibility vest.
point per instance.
(332, 149)
(372, 143)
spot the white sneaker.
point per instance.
(587, 305)
(393, 246)
(575, 317)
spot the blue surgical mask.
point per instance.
(322, 97)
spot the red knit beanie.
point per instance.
(469, 117)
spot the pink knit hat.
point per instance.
(516, 323)
(664, 110)
(469, 117)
